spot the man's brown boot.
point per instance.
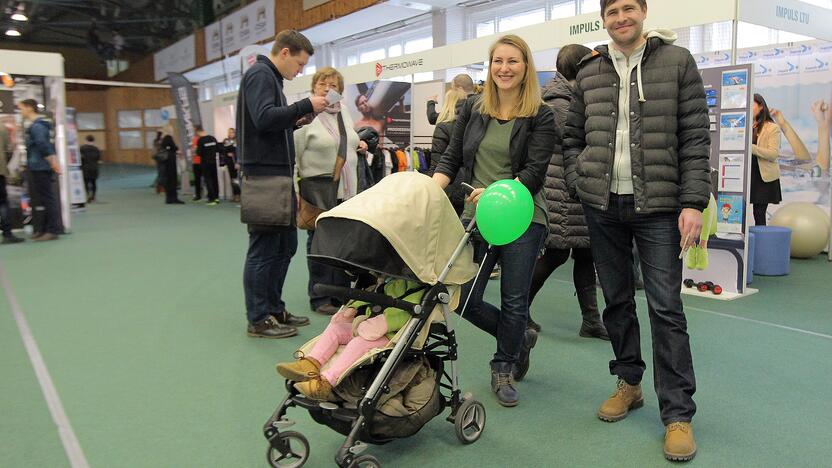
(305, 368)
(678, 442)
(617, 406)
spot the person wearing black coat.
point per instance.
(567, 226)
(454, 100)
(90, 157)
(169, 167)
(506, 133)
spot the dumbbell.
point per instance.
(702, 287)
(689, 283)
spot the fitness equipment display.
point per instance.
(809, 225)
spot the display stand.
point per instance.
(51, 67)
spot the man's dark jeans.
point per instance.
(43, 186)
(508, 323)
(267, 263)
(657, 236)
(5, 214)
(322, 274)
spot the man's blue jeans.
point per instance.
(267, 263)
(508, 323)
(657, 237)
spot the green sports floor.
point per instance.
(139, 318)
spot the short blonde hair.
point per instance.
(530, 100)
(328, 72)
(452, 97)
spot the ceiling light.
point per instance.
(11, 32)
(19, 14)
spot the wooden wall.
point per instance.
(111, 101)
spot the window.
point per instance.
(310, 70)
(519, 20)
(89, 120)
(371, 56)
(563, 10)
(484, 28)
(588, 6)
(130, 119)
(149, 138)
(394, 50)
(418, 45)
(153, 118)
(130, 139)
(352, 60)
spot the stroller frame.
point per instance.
(467, 414)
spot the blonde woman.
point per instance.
(454, 99)
(326, 157)
(506, 133)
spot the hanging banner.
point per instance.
(178, 57)
(213, 41)
(384, 106)
(249, 25)
(249, 55)
(187, 111)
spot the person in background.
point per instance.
(160, 166)
(765, 171)
(5, 157)
(454, 100)
(196, 163)
(171, 179)
(43, 166)
(637, 150)
(461, 82)
(207, 148)
(368, 115)
(229, 160)
(90, 157)
(266, 123)
(506, 133)
(327, 163)
(567, 226)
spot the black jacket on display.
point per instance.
(532, 140)
(669, 130)
(265, 124)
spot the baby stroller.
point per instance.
(403, 227)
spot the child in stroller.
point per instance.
(372, 328)
(406, 231)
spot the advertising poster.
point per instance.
(734, 89)
(731, 173)
(383, 105)
(732, 132)
(729, 214)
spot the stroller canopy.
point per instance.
(406, 211)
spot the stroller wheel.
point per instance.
(365, 461)
(469, 421)
(289, 450)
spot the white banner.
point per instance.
(788, 15)
(249, 55)
(248, 25)
(176, 58)
(213, 41)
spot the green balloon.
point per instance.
(504, 212)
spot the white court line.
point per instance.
(736, 317)
(50, 393)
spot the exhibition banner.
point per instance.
(179, 57)
(249, 25)
(383, 105)
(187, 111)
(213, 41)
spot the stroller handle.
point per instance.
(364, 296)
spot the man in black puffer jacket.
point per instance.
(637, 151)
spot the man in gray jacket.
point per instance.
(636, 149)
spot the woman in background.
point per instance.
(765, 171)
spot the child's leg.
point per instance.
(354, 350)
(335, 334)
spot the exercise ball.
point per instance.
(809, 225)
